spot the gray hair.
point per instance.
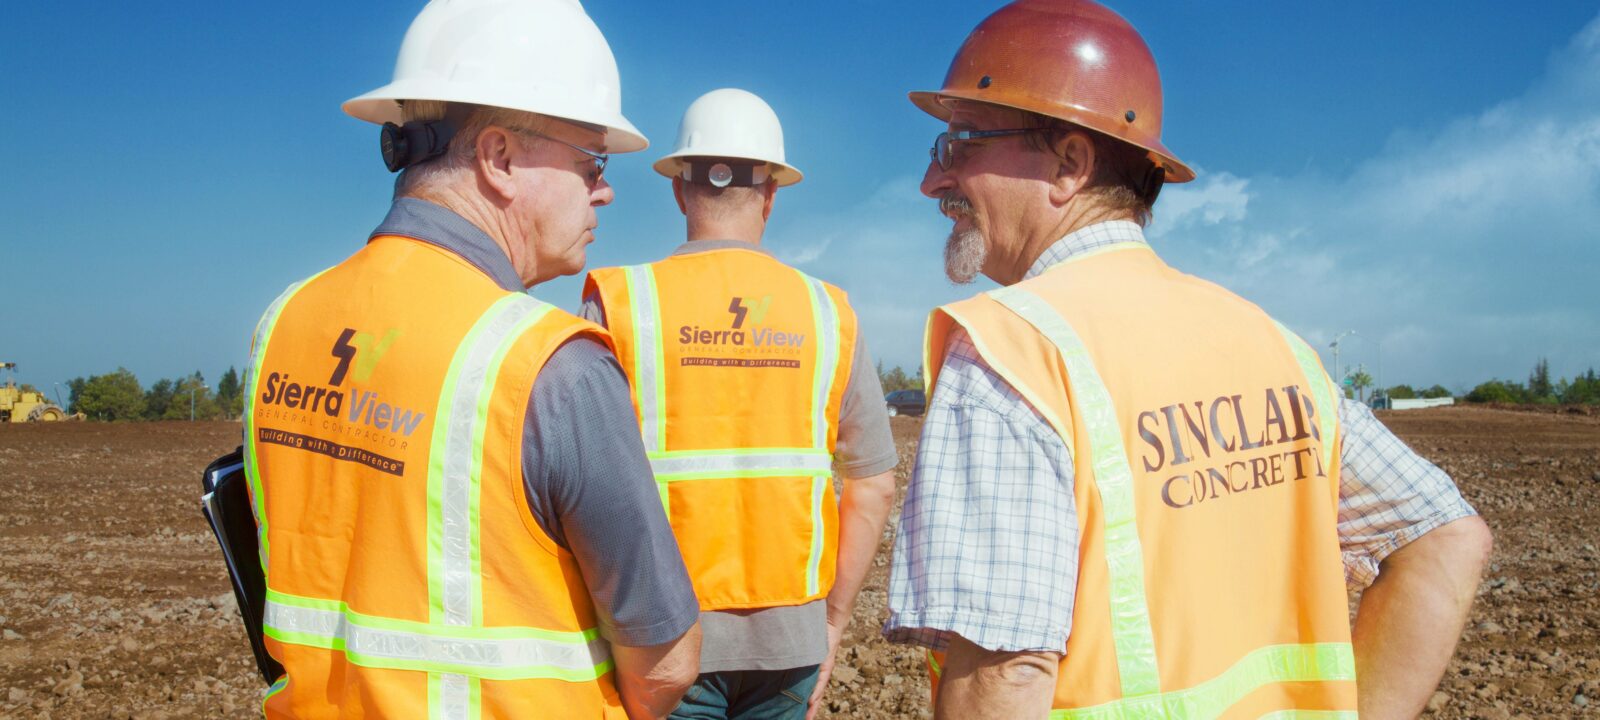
(457, 161)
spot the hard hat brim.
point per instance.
(383, 105)
(933, 103)
(672, 166)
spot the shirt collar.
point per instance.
(439, 226)
(1084, 240)
(699, 246)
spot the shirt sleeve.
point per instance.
(1388, 494)
(865, 446)
(586, 476)
(987, 542)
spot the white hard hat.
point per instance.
(539, 56)
(730, 123)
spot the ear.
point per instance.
(1076, 160)
(770, 193)
(677, 194)
(495, 148)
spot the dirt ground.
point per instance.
(114, 602)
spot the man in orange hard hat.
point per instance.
(1136, 495)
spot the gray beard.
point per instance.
(964, 253)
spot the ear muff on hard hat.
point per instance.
(728, 126)
(538, 56)
(1074, 60)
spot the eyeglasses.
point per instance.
(600, 159)
(942, 154)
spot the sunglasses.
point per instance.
(943, 153)
(599, 160)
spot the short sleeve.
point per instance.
(987, 543)
(1388, 494)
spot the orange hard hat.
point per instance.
(1074, 60)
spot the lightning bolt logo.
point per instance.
(737, 308)
(346, 352)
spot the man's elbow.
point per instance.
(1469, 541)
(880, 487)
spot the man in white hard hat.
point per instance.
(751, 382)
(433, 454)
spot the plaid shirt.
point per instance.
(987, 543)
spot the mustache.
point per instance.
(953, 203)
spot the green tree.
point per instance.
(1360, 381)
(158, 399)
(1583, 390)
(1501, 391)
(114, 396)
(1539, 389)
(1402, 392)
(191, 392)
(230, 394)
(898, 379)
(75, 388)
(1437, 391)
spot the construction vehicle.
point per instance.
(19, 405)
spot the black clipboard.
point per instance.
(226, 503)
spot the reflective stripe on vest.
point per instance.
(650, 392)
(252, 378)
(493, 653)
(453, 646)
(1318, 382)
(1132, 635)
(1130, 613)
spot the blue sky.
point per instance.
(1427, 174)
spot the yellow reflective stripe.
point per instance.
(1320, 662)
(997, 362)
(1130, 612)
(649, 381)
(499, 653)
(252, 379)
(933, 664)
(1326, 405)
(825, 314)
(741, 462)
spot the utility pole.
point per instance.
(1337, 378)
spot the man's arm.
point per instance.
(867, 458)
(586, 475)
(1419, 547)
(978, 683)
(1410, 618)
(652, 679)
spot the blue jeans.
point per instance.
(749, 695)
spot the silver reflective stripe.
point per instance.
(456, 460)
(827, 316)
(799, 461)
(374, 642)
(648, 374)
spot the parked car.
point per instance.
(906, 402)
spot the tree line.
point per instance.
(119, 396)
(1540, 390)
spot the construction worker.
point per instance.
(432, 452)
(1136, 495)
(750, 382)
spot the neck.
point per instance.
(486, 217)
(1075, 216)
(743, 229)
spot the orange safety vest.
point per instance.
(1204, 441)
(406, 576)
(738, 365)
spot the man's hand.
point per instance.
(978, 683)
(653, 679)
(835, 634)
(1410, 619)
(863, 510)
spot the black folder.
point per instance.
(226, 503)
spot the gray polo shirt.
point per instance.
(583, 464)
(779, 638)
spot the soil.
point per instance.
(114, 602)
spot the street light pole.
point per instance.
(192, 390)
(1337, 378)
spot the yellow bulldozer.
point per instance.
(19, 405)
